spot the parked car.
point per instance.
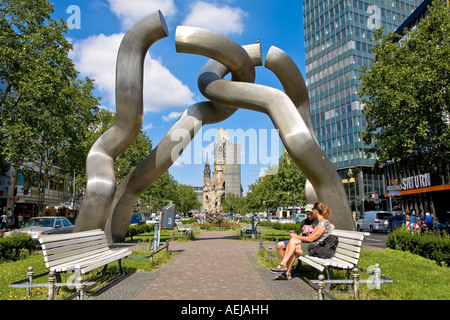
(40, 226)
(137, 218)
(375, 221)
(151, 220)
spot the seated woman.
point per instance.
(320, 233)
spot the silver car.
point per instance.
(375, 221)
(40, 226)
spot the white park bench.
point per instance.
(79, 252)
(182, 229)
(346, 256)
(83, 251)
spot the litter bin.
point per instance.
(168, 217)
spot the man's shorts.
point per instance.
(303, 244)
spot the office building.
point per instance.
(337, 45)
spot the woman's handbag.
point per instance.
(324, 249)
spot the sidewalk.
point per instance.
(214, 267)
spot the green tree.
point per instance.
(284, 187)
(232, 203)
(45, 108)
(406, 94)
(161, 192)
(186, 199)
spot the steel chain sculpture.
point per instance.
(109, 207)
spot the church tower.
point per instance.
(225, 175)
(207, 173)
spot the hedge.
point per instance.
(281, 226)
(15, 247)
(431, 244)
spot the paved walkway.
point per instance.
(215, 266)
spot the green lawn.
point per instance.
(14, 271)
(415, 278)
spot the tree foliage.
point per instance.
(45, 107)
(406, 94)
(282, 185)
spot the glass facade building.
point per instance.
(337, 43)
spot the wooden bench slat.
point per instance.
(101, 262)
(64, 243)
(346, 258)
(342, 264)
(349, 247)
(348, 253)
(70, 259)
(357, 243)
(70, 265)
(348, 234)
(74, 253)
(64, 236)
(83, 245)
(308, 260)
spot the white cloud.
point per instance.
(148, 126)
(223, 19)
(131, 11)
(95, 57)
(171, 116)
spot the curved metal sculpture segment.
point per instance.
(189, 123)
(281, 64)
(100, 178)
(109, 208)
(295, 134)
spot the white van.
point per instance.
(375, 221)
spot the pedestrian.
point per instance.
(429, 221)
(20, 220)
(4, 219)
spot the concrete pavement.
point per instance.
(216, 266)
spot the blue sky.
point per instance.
(170, 85)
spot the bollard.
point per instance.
(51, 286)
(167, 246)
(30, 275)
(80, 286)
(356, 282)
(156, 236)
(320, 286)
(253, 227)
(377, 276)
(270, 254)
(152, 255)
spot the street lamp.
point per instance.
(349, 175)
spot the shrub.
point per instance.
(137, 229)
(433, 245)
(282, 226)
(15, 247)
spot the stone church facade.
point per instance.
(226, 173)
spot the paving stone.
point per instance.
(215, 266)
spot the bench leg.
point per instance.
(119, 267)
(329, 273)
(103, 272)
(58, 280)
